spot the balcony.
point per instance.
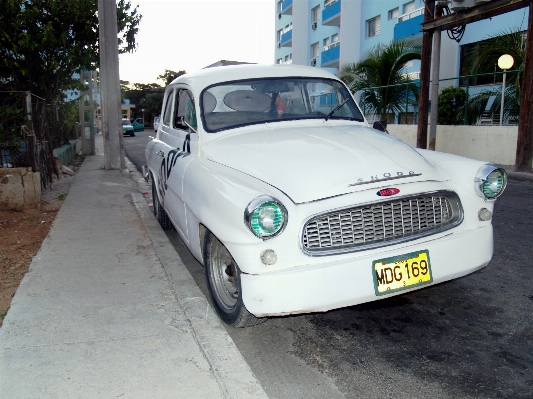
(331, 55)
(331, 15)
(286, 39)
(286, 7)
(409, 24)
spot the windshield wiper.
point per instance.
(336, 109)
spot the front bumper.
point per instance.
(330, 285)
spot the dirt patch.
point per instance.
(21, 236)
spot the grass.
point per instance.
(3, 315)
(62, 197)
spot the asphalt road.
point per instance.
(468, 338)
(135, 146)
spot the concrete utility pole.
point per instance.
(88, 80)
(425, 70)
(524, 144)
(435, 74)
(110, 86)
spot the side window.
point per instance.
(185, 109)
(168, 109)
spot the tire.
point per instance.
(223, 282)
(159, 212)
(132, 134)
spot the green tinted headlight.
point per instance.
(265, 217)
(490, 180)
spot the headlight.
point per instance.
(266, 217)
(490, 181)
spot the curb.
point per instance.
(232, 373)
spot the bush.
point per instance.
(451, 106)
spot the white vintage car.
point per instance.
(276, 183)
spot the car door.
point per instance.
(174, 154)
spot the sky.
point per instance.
(191, 34)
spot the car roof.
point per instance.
(209, 76)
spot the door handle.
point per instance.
(160, 153)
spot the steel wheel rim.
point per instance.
(224, 276)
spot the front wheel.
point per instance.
(224, 284)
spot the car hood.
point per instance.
(309, 163)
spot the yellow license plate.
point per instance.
(401, 272)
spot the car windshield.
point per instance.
(126, 123)
(247, 102)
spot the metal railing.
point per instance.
(463, 100)
(29, 130)
(332, 45)
(329, 3)
(411, 14)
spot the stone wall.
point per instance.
(20, 189)
(495, 144)
(68, 152)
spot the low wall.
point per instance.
(486, 143)
(67, 152)
(20, 189)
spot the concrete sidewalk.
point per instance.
(108, 309)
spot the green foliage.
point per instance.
(148, 96)
(168, 76)
(451, 106)
(484, 59)
(43, 42)
(383, 70)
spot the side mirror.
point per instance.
(381, 126)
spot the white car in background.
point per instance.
(275, 182)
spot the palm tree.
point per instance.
(484, 59)
(383, 71)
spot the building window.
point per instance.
(315, 14)
(330, 43)
(288, 59)
(315, 51)
(394, 13)
(328, 3)
(373, 26)
(279, 61)
(124, 114)
(280, 32)
(326, 42)
(279, 6)
(408, 7)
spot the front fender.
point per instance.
(216, 197)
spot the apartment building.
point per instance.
(329, 33)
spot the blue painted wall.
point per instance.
(408, 29)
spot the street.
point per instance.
(468, 338)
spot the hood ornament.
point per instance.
(387, 192)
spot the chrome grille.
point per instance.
(383, 223)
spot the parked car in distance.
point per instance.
(127, 127)
(138, 125)
(293, 204)
(157, 119)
